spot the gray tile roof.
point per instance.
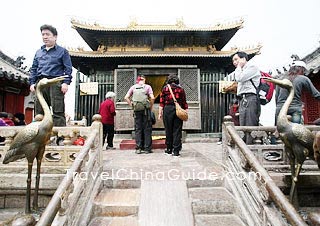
(10, 71)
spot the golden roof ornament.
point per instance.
(102, 48)
(133, 23)
(180, 23)
(80, 49)
(234, 48)
(211, 48)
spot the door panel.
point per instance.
(123, 80)
(190, 81)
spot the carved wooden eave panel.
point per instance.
(98, 54)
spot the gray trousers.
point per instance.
(55, 99)
(249, 113)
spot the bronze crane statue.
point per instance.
(297, 139)
(31, 140)
(316, 148)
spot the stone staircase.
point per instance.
(163, 201)
(166, 203)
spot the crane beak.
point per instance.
(273, 80)
(284, 83)
(269, 79)
(57, 79)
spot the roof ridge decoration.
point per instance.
(15, 64)
(178, 26)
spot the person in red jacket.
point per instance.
(108, 112)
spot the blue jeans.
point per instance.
(295, 114)
(297, 117)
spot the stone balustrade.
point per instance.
(250, 168)
(56, 161)
(56, 155)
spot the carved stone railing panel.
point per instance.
(259, 136)
(55, 156)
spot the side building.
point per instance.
(119, 54)
(312, 106)
(14, 87)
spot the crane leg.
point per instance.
(293, 190)
(36, 191)
(27, 208)
(292, 161)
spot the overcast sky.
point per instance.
(283, 27)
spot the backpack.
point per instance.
(265, 89)
(140, 98)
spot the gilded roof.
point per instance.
(97, 54)
(179, 26)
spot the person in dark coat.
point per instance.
(300, 83)
(167, 112)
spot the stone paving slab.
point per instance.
(197, 161)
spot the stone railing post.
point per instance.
(96, 124)
(226, 140)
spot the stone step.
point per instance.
(115, 221)
(194, 183)
(131, 144)
(120, 183)
(218, 219)
(116, 203)
(212, 200)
